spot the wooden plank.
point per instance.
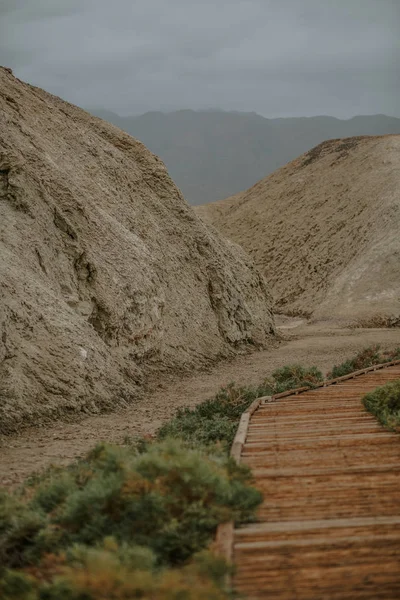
(329, 525)
(224, 541)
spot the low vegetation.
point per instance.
(216, 420)
(124, 518)
(366, 358)
(115, 572)
(137, 521)
(384, 403)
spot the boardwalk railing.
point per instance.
(337, 379)
(224, 537)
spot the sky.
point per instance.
(276, 57)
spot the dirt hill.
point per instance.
(106, 273)
(325, 230)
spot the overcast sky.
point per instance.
(275, 57)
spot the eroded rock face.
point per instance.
(106, 273)
(324, 229)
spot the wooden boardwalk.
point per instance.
(329, 526)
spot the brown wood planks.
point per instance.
(329, 526)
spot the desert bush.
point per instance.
(169, 498)
(384, 403)
(390, 355)
(115, 572)
(124, 523)
(362, 360)
(365, 358)
(163, 498)
(19, 526)
(134, 521)
(295, 376)
(216, 419)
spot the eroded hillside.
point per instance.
(106, 273)
(325, 230)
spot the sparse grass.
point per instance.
(384, 403)
(365, 358)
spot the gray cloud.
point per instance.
(277, 57)
(23, 10)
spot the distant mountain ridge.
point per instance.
(214, 154)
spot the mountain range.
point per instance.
(215, 154)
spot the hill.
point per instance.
(214, 154)
(107, 275)
(325, 230)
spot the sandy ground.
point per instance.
(36, 448)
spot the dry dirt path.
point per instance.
(38, 447)
(329, 525)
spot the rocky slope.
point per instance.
(325, 230)
(106, 273)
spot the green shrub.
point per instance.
(115, 572)
(19, 526)
(216, 420)
(384, 403)
(159, 501)
(134, 521)
(391, 355)
(365, 358)
(295, 376)
(169, 499)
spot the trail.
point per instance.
(329, 526)
(38, 447)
